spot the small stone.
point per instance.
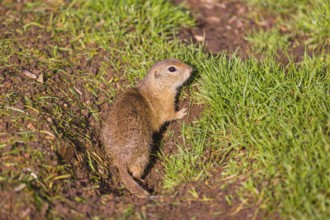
(31, 127)
(19, 187)
(6, 84)
(29, 74)
(199, 38)
(41, 78)
(34, 175)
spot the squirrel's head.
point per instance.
(171, 73)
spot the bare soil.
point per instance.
(222, 25)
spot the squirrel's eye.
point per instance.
(172, 69)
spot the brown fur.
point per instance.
(137, 114)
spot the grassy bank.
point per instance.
(266, 125)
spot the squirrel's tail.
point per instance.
(130, 183)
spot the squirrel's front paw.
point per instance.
(180, 114)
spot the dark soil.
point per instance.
(222, 24)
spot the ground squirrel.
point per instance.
(137, 114)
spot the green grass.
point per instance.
(132, 31)
(187, 163)
(268, 42)
(280, 6)
(315, 23)
(308, 20)
(265, 124)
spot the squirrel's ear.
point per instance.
(156, 74)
